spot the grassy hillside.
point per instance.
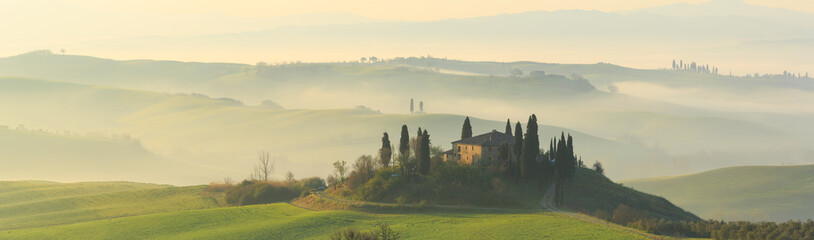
(27, 204)
(40, 154)
(776, 193)
(670, 112)
(284, 221)
(589, 191)
(224, 136)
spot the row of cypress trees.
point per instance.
(530, 162)
(421, 152)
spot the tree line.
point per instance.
(715, 229)
(694, 67)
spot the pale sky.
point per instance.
(54, 24)
(415, 10)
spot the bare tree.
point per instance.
(341, 168)
(228, 181)
(264, 168)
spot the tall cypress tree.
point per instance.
(412, 105)
(531, 148)
(424, 156)
(385, 152)
(518, 149)
(404, 149)
(466, 131)
(404, 142)
(508, 127)
(417, 145)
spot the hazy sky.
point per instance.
(416, 10)
(54, 24)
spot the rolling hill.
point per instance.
(221, 137)
(653, 132)
(284, 221)
(776, 193)
(30, 204)
(105, 210)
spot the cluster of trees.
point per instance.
(785, 75)
(371, 59)
(420, 106)
(530, 162)
(642, 219)
(693, 67)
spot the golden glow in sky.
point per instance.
(416, 10)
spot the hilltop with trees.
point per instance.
(421, 177)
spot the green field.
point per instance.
(776, 193)
(124, 210)
(26, 204)
(285, 221)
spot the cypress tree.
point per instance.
(573, 156)
(466, 131)
(508, 127)
(404, 149)
(531, 148)
(518, 149)
(404, 142)
(421, 106)
(385, 152)
(424, 159)
(417, 151)
(412, 108)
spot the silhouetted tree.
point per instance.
(404, 141)
(412, 106)
(289, 177)
(421, 106)
(531, 148)
(518, 149)
(466, 131)
(508, 127)
(598, 168)
(385, 152)
(565, 164)
(363, 59)
(424, 157)
(374, 59)
(504, 152)
(516, 73)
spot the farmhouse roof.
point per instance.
(493, 138)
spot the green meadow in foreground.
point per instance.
(285, 221)
(26, 204)
(125, 210)
(756, 193)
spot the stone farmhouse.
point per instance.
(481, 149)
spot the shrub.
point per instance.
(422, 204)
(401, 201)
(381, 232)
(248, 193)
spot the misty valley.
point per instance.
(687, 120)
